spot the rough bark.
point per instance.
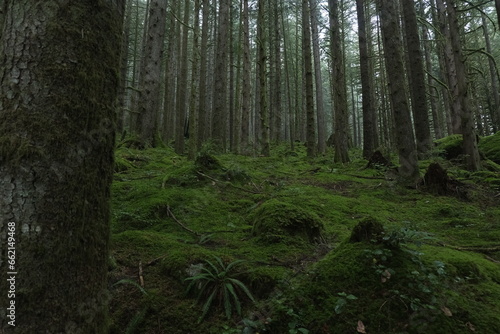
(203, 89)
(389, 20)
(220, 93)
(467, 120)
(369, 117)
(308, 73)
(58, 86)
(320, 110)
(417, 79)
(193, 103)
(149, 102)
(182, 87)
(495, 112)
(261, 69)
(246, 85)
(341, 132)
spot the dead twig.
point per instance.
(141, 277)
(171, 214)
(227, 183)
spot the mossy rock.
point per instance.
(277, 221)
(451, 146)
(490, 147)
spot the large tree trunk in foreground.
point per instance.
(60, 65)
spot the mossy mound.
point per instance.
(451, 146)
(490, 147)
(390, 291)
(367, 230)
(277, 221)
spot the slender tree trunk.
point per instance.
(389, 20)
(320, 110)
(493, 75)
(57, 114)
(309, 88)
(417, 79)
(432, 90)
(182, 87)
(277, 94)
(246, 86)
(261, 68)
(193, 103)
(203, 107)
(369, 119)
(341, 132)
(451, 69)
(467, 119)
(220, 93)
(150, 77)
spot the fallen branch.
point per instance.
(141, 278)
(171, 214)
(227, 183)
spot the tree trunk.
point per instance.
(195, 73)
(451, 69)
(341, 132)
(308, 73)
(246, 85)
(495, 112)
(57, 114)
(182, 87)
(320, 110)
(417, 79)
(203, 106)
(369, 119)
(149, 103)
(261, 69)
(220, 93)
(467, 120)
(389, 20)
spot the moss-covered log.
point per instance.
(58, 81)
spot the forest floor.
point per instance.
(417, 263)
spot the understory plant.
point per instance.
(216, 285)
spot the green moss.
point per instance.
(282, 267)
(490, 146)
(451, 146)
(277, 221)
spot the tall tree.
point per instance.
(417, 78)
(203, 125)
(220, 92)
(246, 84)
(182, 90)
(391, 30)
(261, 69)
(467, 121)
(369, 116)
(149, 102)
(57, 114)
(320, 110)
(193, 102)
(495, 112)
(309, 86)
(341, 131)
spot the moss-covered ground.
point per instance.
(435, 269)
